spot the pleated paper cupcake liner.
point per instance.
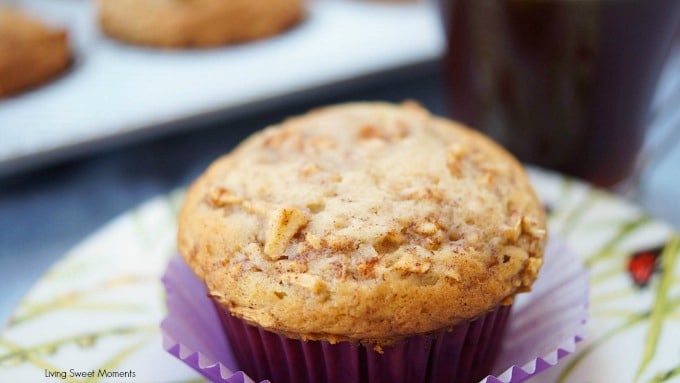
(544, 327)
(465, 353)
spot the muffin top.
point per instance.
(363, 222)
(31, 52)
(18, 28)
(197, 23)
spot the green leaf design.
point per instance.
(666, 376)
(76, 300)
(608, 272)
(82, 340)
(611, 295)
(632, 320)
(19, 358)
(608, 249)
(659, 309)
(628, 323)
(616, 313)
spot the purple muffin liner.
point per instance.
(545, 326)
(469, 349)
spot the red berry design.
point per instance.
(642, 265)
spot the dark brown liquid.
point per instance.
(564, 84)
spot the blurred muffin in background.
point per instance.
(196, 23)
(31, 53)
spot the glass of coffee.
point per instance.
(563, 84)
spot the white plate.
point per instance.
(116, 91)
(100, 307)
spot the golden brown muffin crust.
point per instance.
(30, 52)
(196, 23)
(364, 222)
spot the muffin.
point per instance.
(31, 53)
(196, 23)
(364, 242)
